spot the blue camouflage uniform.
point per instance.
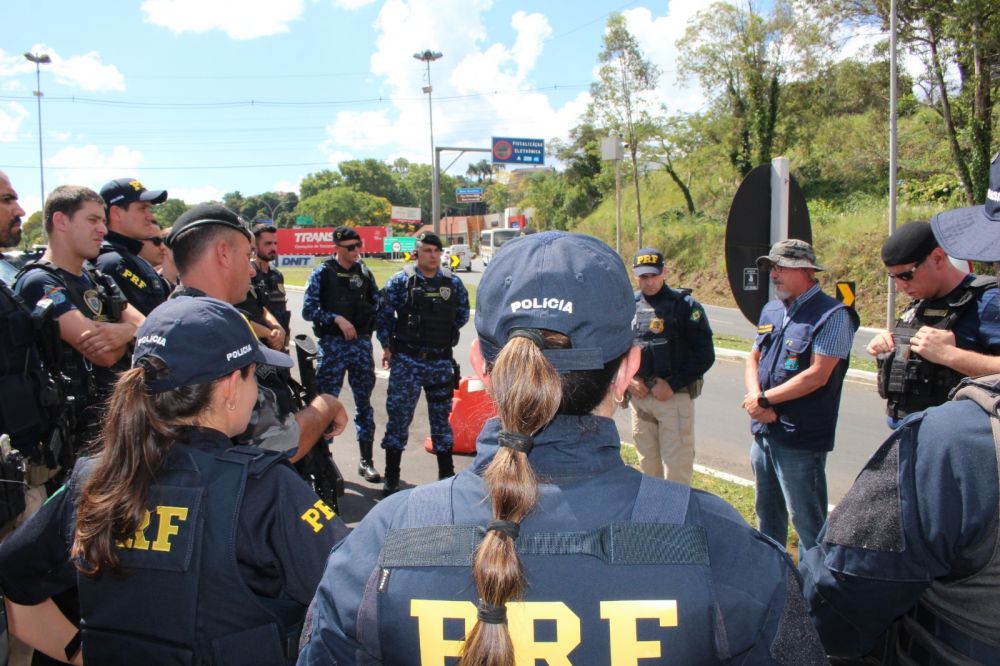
(912, 552)
(340, 356)
(421, 342)
(711, 591)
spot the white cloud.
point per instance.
(86, 71)
(352, 4)
(12, 115)
(239, 19)
(88, 165)
(286, 186)
(195, 195)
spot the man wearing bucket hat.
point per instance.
(794, 375)
(585, 583)
(226, 544)
(909, 562)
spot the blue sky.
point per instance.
(203, 97)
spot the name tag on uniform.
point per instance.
(765, 328)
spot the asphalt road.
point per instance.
(721, 427)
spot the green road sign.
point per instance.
(397, 244)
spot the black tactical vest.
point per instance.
(655, 334)
(427, 318)
(908, 382)
(349, 294)
(26, 392)
(184, 600)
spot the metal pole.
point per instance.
(38, 96)
(618, 207)
(436, 191)
(890, 309)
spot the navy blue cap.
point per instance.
(558, 281)
(123, 191)
(205, 214)
(648, 261)
(973, 233)
(199, 340)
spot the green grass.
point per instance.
(382, 269)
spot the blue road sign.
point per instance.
(468, 194)
(518, 151)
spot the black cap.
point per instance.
(341, 234)
(123, 191)
(430, 238)
(647, 261)
(908, 244)
(204, 214)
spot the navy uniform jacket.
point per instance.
(758, 617)
(279, 549)
(924, 509)
(137, 279)
(394, 296)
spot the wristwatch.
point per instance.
(762, 400)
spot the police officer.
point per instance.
(558, 532)
(255, 306)
(794, 376)
(677, 350)
(950, 330)
(269, 280)
(341, 300)
(912, 552)
(96, 324)
(223, 546)
(130, 220)
(423, 307)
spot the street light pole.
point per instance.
(39, 60)
(428, 57)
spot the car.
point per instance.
(464, 255)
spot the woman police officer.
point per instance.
(185, 548)
(549, 547)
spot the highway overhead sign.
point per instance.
(508, 150)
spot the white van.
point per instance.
(464, 255)
(490, 241)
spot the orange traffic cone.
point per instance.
(470, 408)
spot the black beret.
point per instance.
(430, 238)
(207, 214)
(908, 244)
(341, 234)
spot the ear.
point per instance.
(222, 252)
(230, 387)
(626, 371)
(479, 363)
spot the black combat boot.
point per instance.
(365, 467)
(391, 482)
(446, 466)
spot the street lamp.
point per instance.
(428, 57)
(274, 209)
(39, 60)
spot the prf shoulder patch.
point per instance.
(696, 315)
(765, 328)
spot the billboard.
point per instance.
(320, 241)
(405, 214)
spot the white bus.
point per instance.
(490, 241)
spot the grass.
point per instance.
(382, 269)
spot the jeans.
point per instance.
(789, 481)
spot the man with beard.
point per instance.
(269, 280)
(794, 375)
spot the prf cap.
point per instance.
(568, 283)
(648, 261)
(123, 191)
(199, 340)
(973, 233)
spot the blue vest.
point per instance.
(809, 422)
(182, 599)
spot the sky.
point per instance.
(205, 97)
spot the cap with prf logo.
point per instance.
(123, 191)
(648, 261)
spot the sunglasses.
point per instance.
(155, 240)
(351, 247)
(906, 275)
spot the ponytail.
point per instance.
(139, 430)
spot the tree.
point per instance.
(32, 231)
(314, 183)
(233, 201)
(546, 193)
(586, 179)
(374, 177)
(168, 211)
(618, 104)
(961, 36)
(673, 139)
(338, 206)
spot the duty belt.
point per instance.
(422, 354)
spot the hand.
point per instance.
(340, 417)
(754, 409)
(105, 338)
(881, 344)
(934, 344)
(346, 327)
(767, 415)
(638, 388)
(276, 340)
(661, 390)
(386, 358)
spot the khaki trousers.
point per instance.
(663, 431)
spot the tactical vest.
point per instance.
(140, 275)
(908, 382)
(271, 283)
(89, 383)
(427, 318)
(183, 600)
(808, 422)
(956, 620)
(580, 586)
(349, 295)
(656, 335)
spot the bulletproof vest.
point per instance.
(587, 594)
(26, 391)
(785, 351)
(907, 381)
(139, 275)
(655, 333)
(427, 318)
(348, 293)
(272, 284)
(183, 600)
(100, 303)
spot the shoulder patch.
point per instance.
(765, 328)
(696, 314)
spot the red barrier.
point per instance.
(471, 406)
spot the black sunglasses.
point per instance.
(906, 275)
(351, 247)
(155, 240)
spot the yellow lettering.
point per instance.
(430, 616)
(167, 528)
(623, 616)
(311, 516)
(324, 509)
(138, 541)
(521, 618)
